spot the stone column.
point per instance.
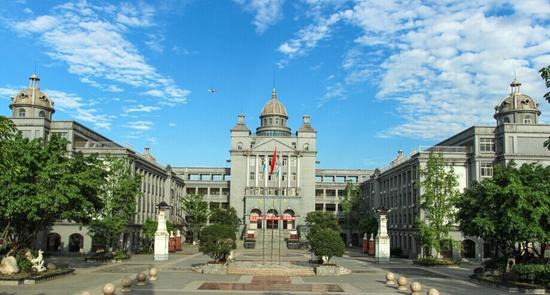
(382, 241)
(161, 237)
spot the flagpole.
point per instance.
(280, 214)
(264, 212)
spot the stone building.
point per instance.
(472, 153)
(298, 188)
(32, 112)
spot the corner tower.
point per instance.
(31, 102)
(517, 108)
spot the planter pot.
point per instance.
(249, 244)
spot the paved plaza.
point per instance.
(177, 277)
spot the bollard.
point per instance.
(140, 278)
(86, 293)
(390, 279)
(126, 284)
(153, 274)
(402, 283)
(416, 288)
(432, 291)
(109, 289)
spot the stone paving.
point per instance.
(176, 277)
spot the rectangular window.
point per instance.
(318, 207)
(252, 161)
(284, 177)
(285, 161)
(486, 170)
(486, 145)
(318, 192)
(293, 176)
(251, 175)
(330, 207)
(194, 177)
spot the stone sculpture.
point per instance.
(8, 265)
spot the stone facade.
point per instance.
(472, 153)
(298, 188)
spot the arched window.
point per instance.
(254, 222)
(42, 114)
(306, 147)
(239, 146)
(506, 120)
(288, 219)
(272, 223)
(21, 113)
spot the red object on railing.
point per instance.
(178, 243)
(172, 245)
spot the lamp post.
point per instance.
(161, 235)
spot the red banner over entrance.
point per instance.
(271, 217)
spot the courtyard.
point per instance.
(176, 276)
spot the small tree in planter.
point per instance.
(217, 241)
(326, 242)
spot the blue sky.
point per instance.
(375, 76)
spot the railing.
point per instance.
(426, 149)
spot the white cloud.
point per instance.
(446, 65)
(141, 108)
(74, 105)
(172, 124)
(90, 39)
(8, 92)
(267, 12)
(140, 125)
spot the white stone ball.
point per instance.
(141, 277)
(126, 282)
(153, 272)
(432, 291)
(402, 281)
(390, 276)
(109, 289)
(416, 287)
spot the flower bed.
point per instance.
(28, 278)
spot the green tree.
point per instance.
(40, 184)
(326, 242)
(196, 213)
(439, 184)
(510, 209)
(351, 207)
(545, 74)
(7, 129)
(119, 196)
(368, 225)
(149, 229)
(318, 220)
(225, 216)
(217, 241)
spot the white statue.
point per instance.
(38, 262)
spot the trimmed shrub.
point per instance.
(217, 241)
(497, 263)
(326, 242)
(432, 261)
(533, 273)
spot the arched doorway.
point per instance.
(288, 222)
(344, 238)
(53, 242)
(468, 249)
(355, 239)
(76, 242)
(254, 222)
(272, 223)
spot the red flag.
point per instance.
(273, 162)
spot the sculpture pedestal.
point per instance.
(382, 249)
(161, 246)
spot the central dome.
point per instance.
(273, 118)
(517, 107)
(274, 106)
